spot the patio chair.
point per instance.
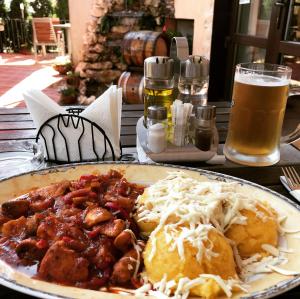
(44, 35)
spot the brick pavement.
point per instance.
(19, 72)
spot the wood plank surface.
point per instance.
(20, 125)
(125, 107)
(17, 134)
(15, 117)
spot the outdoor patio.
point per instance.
(19, 72)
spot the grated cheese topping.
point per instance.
(185, 210)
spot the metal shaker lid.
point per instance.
(157, 112)
(206, 112)
(159, 67)
(195, 67)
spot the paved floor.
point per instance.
(20, 72)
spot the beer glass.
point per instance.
(258, 104)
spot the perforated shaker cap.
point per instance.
(157, 112)
(159, 67)
(195, 67)
(206, 112)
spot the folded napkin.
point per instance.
(105, 111)
(294, 193)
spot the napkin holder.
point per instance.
(55, 124)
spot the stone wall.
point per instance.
(101, 61)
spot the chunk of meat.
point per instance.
(123, 202)
(32, 224)
(84, 192)
(124, 240)
(52, 229)
(29, 249)
(112, 228)
(53, 190)
(62, 264)
(15, 208)
(15, 228)
(48, 228)
(105, 255)
(96, 215)
(123, 187)
(69, 214)
(124, 269)
(3, 219)
(42, 204)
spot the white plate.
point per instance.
(271, 285)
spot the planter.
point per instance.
(63, 68)
(67, 99)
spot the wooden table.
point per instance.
(16, 124)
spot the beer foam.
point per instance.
(261, 80)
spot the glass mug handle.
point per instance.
(292, 136)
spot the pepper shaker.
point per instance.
(206, 133)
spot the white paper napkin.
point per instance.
(105, 111)
(295, 193)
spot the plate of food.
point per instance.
(101, 230)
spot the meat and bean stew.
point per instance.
(78, 233)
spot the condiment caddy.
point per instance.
(178, 125)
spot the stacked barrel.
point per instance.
(136, 47)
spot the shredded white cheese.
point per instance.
(185, 210)
(180, 201)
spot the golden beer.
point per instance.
(256, 119)
(258, 106)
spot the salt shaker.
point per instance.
(157, 141)
(206, 133)
(157, 114)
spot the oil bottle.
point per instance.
(193, 80)
(158, 84)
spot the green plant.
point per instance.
(3, 10)
(62, 9)
(63, 67)
(15, 10)
(73, 79)
(42, 8)
(71, 74)
(69, 91)
(106, 23)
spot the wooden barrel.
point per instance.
(139, 45)
(132, 87)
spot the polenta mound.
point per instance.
(203, 235)
(168, 262)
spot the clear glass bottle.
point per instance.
(206, 133)
(193, 80)
(158, 84)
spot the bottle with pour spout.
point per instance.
(193, 80)
(158, 84)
